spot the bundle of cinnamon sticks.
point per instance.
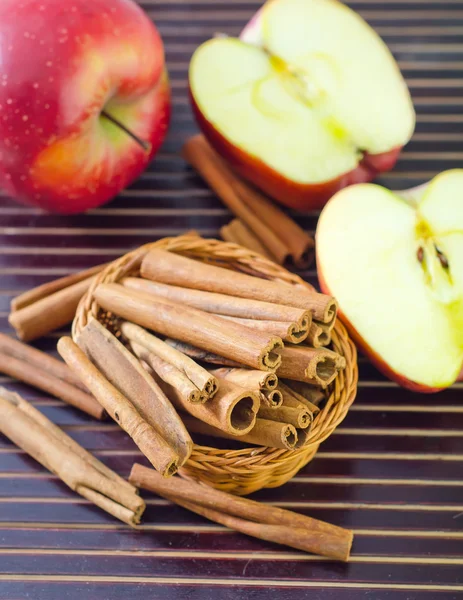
(260, 225)
(196, 349)
(205, 317)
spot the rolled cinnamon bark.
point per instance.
(248, 378)
(237, 232)
(49, 313)
(212, 333)
(288, 332)
(152, 445)
(202, 355)
(44, 380)
(169, 374)
(174, 269)
(222, 304)
(314, 365)
(320, 537)
(126, 374)
(297, 392)
(276, 230)
(271, 398)
(201, 378)
(264, 433)
(317, 336)
(45, 442)
(233, 409)
(47, 289)
(41, 360)
(298, 417)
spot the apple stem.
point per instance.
(142, 143)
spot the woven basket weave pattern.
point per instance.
(247, 470)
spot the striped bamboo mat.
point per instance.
(393, 471)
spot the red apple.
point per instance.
(308, 101)
(394, 262)
(84, 100)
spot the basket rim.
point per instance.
(342, 391)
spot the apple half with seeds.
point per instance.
(308, 101)
(394, 262)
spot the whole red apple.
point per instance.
(84, 100)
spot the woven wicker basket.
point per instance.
(249, 469)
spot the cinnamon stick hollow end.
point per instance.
(271, 398)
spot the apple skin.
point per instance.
(62, 63)
(375, 358)
(300, 196)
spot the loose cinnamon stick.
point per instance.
(298, 417)
(174, 269)
(202, 355)
(288, 332)
(319, 537)
(271, 398)
(276, 231)
(264, 433)
(237, 232)
(169, 374)
(303, 393)
(199, 154)
(248, 378)
(47, 289)
(49, 313)
(152, 445)
(29, 369)
(41, 360)
(314, 365)
(202, 379)
(40, 438)
(233, 409)
(221, 304)
(212, 333)
(126, 374)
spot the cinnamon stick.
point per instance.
(202, 355)
(280, 235)
(237, 232)
(125, 373)
(233, 409)
(47, 289)
(174, 269)
(318, 536)
(45, 442)
(298, 417)
(151, 444)
(212, 333)
(271, 398)
(248, 378)
(264, 433)
(222, 304)
(201, 378)
(49, 313)
(38, 370)
(41, 360)
(288, 332)
(169, 374)
(317, 336)
(314, 365)
(302, 393)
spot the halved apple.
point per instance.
(395, 264)
(309, 101)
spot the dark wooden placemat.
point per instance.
(393, 470)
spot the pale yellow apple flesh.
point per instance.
(396, 268)
(319, 91)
